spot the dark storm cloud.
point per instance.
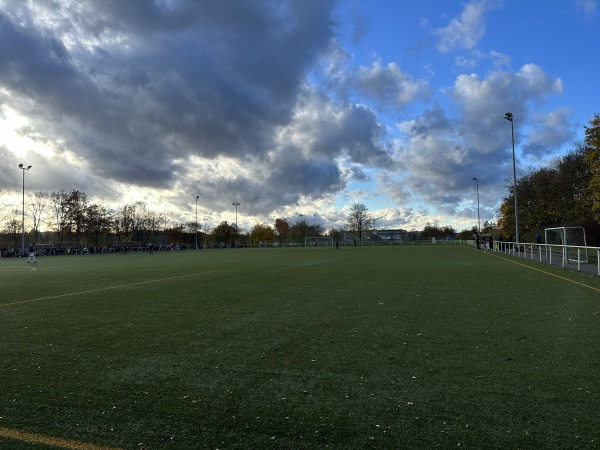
(6, 160)
(332, 130)
(137, 88)
(296, 172)
(389, 86)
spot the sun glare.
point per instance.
(19, 136)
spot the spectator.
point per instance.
(31, 254)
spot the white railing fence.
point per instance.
(579, 257)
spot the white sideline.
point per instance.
(105, 289)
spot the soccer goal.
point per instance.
(572, 240)
(319, 241)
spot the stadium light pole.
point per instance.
(478, 219)
(205, 241)
(509, 116)
(236, 204)
(301, 218)
(196, 222)
(23, 168)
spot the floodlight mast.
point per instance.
(196, 222)
(509, 116)
(236, 204)
(23, 168)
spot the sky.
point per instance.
(296, 109)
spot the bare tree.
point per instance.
(3, 209)
(97, 222)
(60, 213)
(124, 222)
(40, 202)
(359, 220)
(12, 228)
(76, 204)
(139, 216)
(154, 221)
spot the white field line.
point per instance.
(72, 294)
(33, 438)
(578, 283)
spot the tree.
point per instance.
(140, 221)
(124, 223)
(262, 233)
(490, 228)
(162, 221)
(97, 222)
(315, 230)
(223, 232)
(60, 213)
(154, 221)
(592, 140)
(432, 231)
(298, 230)
(467, 234)
(283, 229)
(540, 201)
(191, 229)
(1, 209)
(37, 206)
(13, 228)
(574, 177)
(359, 219)
(550, 196)
(337, 234)
(175, 234)
(76, 204)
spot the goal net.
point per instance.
(572, 242)
(326, 241)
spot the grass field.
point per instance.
(394, 347)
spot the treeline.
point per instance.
(566, 193)
(68, 218)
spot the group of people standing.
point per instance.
(485, 241)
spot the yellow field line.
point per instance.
(104, 289)
(48, 440)
(578, 283)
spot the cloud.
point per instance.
(140, 95)
(472, 59)
(321, 127)
(442, 153)
(6, 160)
(389, 86)
(483, 100)
(436, 157)
(465, 31)
(258, 102)
(587, 8)
(549, 132)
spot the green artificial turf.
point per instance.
(383, 347)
